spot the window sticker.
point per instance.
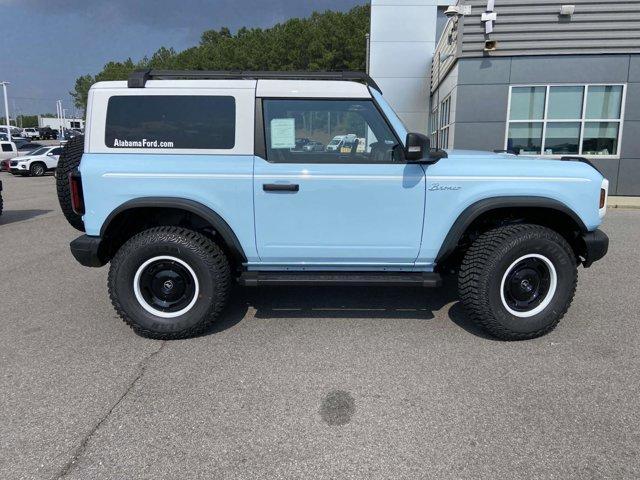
(283, 133)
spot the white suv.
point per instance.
(37, 163)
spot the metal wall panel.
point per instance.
(403, 38)
(537, 28)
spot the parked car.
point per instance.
(20, 142)
(25, 148)
(8, 150)
(178, 231)
(335, 143)
(37, 163)
(313, 146)
(341, 142)
(4, 131)
(47, 133)
(300, 143)
(28, 147)
(31, 132)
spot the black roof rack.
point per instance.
(139, 78)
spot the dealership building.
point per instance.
(542, 78)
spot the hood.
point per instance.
(26, 158)
(473, 162)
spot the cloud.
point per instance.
(191, 14)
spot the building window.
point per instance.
(433, 127)
(565, 120)
(445, 122)
(440, 123)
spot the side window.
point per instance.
(171, 122)
(328, 131)
(6, 147)
(56, 151)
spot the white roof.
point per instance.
(264, 88)
(311, 89)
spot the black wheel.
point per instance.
(169, 282)
(69, 160)
(37, 169)
(518, 281)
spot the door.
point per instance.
(360, 205)
(52, 157)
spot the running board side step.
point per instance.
(355, 279)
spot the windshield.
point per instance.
(39, 151)
(335, 141)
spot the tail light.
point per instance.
(77, 197)
(603, 197)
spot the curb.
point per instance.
(632, 203)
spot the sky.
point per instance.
(48, 44)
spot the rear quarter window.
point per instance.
(171, 122)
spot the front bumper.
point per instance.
(595, 245)
(88, 251)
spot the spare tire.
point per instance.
(69, 161)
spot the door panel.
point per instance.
(341, 214)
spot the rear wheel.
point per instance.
(518, 281)
(169, 282)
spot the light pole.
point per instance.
(6, 107)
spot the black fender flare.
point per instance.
(217, 222)
(473, 211)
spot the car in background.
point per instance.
(69, 133)
(20, 142)
(313, 146)
(37, 163)
(8, 150)
(48, 133)
(300, 143)
(28, 147)
(340, 142)
(31, 132)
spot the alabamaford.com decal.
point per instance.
(144, 143)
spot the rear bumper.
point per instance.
(596, 246)
(87, 251)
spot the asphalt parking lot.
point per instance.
(307, 382)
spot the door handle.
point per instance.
(280, 187)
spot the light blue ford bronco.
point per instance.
(188, 181)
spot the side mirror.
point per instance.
(49, 154)
(418, 149)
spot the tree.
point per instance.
(325, 41)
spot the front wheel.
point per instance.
(518, 281)
(37, 169)
(169, 282)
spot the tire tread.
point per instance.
(475, 264)
(214, 257)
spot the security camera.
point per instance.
(455, 10)
(452, 11)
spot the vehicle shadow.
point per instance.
(357, 302)
(375, 303)
(13, 216)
